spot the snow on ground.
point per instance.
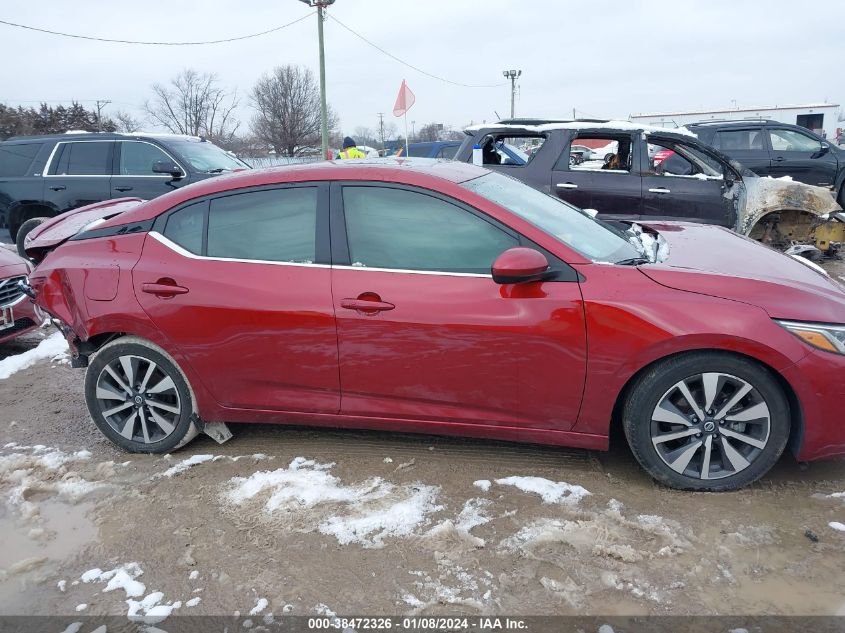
(185, 464)
(484, 484)
(54, 346)
(122, 577)
(365, 513)
(46, 470)
(836, 525)
(260, 605)
(550, 491)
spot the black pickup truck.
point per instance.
(43, 176)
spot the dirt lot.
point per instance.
(355, 522)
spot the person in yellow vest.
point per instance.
(349, 150)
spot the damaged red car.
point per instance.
(439, 297)
(17, 315)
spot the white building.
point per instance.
(822, 118)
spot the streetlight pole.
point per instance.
(324, 113)
(512, 75)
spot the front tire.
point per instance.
(707, 421)
(24, 230)
(139, 398)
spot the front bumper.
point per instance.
(819, 383)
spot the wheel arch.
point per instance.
(796, 416)
(25, 210)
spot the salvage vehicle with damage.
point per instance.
(17, 314)
(428, 296)
(660, 174)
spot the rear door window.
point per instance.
(83, 158)
(185, 227)
(16, 158)
(743, 140)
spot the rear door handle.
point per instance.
(163, 290)
(58, 188)
(567, 185)
(123, 188)
(660, 190)
(364, 305)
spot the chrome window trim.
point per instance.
(178, 164)
(186, 253)
(45, 172)
(412, 272)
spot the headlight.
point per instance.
(830, 338)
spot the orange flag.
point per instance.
(404, 101)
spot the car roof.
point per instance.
(411, 171)
(592, 124)
(103, 136)
(730, 122)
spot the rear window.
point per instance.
(16, 158)
(84, 158)
(747, 140)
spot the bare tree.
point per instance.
(194, 103)
(126, 122)
(430, 132)
(287, 104)
(364, 136)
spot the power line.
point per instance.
(143, 43)
(411, 66)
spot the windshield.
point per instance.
(590, 237)
(207, 157)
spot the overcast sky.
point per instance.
(607, 58)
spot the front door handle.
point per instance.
(368, 303)
(123, 188)
(567, 185)
(778, 159)
(58, 188)
(660, 190)
(164, 290)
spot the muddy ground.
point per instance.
(398, 524)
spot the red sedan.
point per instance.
(17, 316)
(438, 297)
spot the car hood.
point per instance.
(61, 228)
(9, 258)
(717, 262)
(766, 195)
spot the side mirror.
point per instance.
(825, 148)
(167, 167)
(520, 265)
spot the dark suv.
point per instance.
(770, 148)
(641, 173)
(43, 176)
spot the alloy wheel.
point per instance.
(138, 399)
(710, 426)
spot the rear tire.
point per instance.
(139, 398)
(24, 230)
(732, 434)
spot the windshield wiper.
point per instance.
(218, 170)
(633, 261)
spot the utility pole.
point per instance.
(100, 105)
(413, 130)
(381, 130)
(512, 75)
(324, 114)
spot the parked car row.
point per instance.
(442, 297)
(655, 174)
